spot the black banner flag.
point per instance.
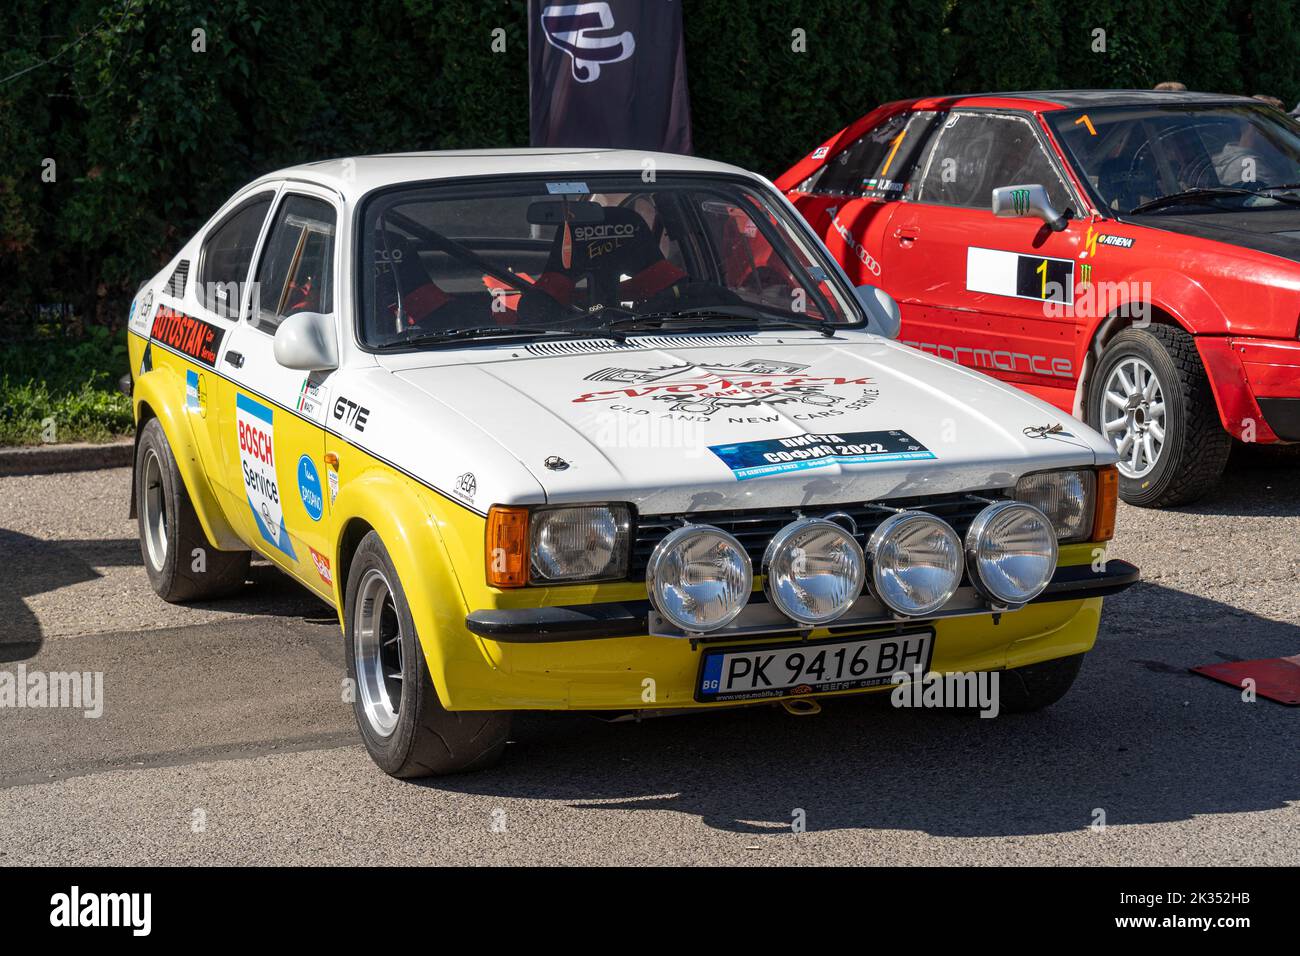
(608, 73)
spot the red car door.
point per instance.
(995, 294)
(852, 199)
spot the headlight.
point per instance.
(916, 563)
(1068, 498)
(1011, 552)
(699, 578)
(586, 543)
(814, 571)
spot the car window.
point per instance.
(295, 273)
(974, 153)
(877, 164)
(1132, 155)
(227, 253)
(532, 254)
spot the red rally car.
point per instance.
(1132, 257)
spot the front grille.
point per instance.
(754, 528)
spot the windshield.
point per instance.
(1134, 156)
(533, 256)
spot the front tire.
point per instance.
(1026, 689)
(181, 564)
(1152, 400)
(404, 726)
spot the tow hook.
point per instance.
(801, 707)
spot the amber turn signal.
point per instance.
(507, 547)
(1103, 521)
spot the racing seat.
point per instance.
(619, 260)
(401, 279)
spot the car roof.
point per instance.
(1079, 99)
(356, 175)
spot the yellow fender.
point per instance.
(397, 510)
(157, 388)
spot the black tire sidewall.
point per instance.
(390, 752)
(154, 439)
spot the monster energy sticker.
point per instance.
(256, 426)
(759, 459)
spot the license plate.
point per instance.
(811, 666)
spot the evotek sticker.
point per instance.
(567, 189)
(193, 337)
(322, 566)
(758, 459)
(1022, 277)
(309, 488)
(699, 392)
(256, 425)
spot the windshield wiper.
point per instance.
(657, 320)
(1203, 194)
(447, 336)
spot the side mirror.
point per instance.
(305, 341)
(881, 309)
(1012, 202)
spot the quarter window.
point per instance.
(227, 254)
(295, 273)
(974, 153)
(878, 163)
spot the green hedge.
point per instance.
(150, 136)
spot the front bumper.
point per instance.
(1256, 383)
(544, 625)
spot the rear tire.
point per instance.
(403, 724)
(1151, 399)
(181, 564)
(1026, 689)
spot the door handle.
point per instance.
(235, 358)
(906, 235)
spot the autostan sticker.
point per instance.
(192, 337)
(739, 391)
(256, 424)
(758, 459)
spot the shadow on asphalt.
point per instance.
(1138, 736)
(30, 566)
(1260, 481)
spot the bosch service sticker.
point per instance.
(257, 461)
(775, 456)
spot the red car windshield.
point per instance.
(1133, 156)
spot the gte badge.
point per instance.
(350, 413)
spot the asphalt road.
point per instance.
(224, 737)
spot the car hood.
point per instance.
(1274, 231)
(680, 424)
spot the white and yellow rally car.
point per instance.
(595, 431)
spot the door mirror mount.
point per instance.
(305, 340)
(1013, 202)
(882, 311)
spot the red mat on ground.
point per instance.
(1277, 678)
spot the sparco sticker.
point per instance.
(775, 456)
(256, 426)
